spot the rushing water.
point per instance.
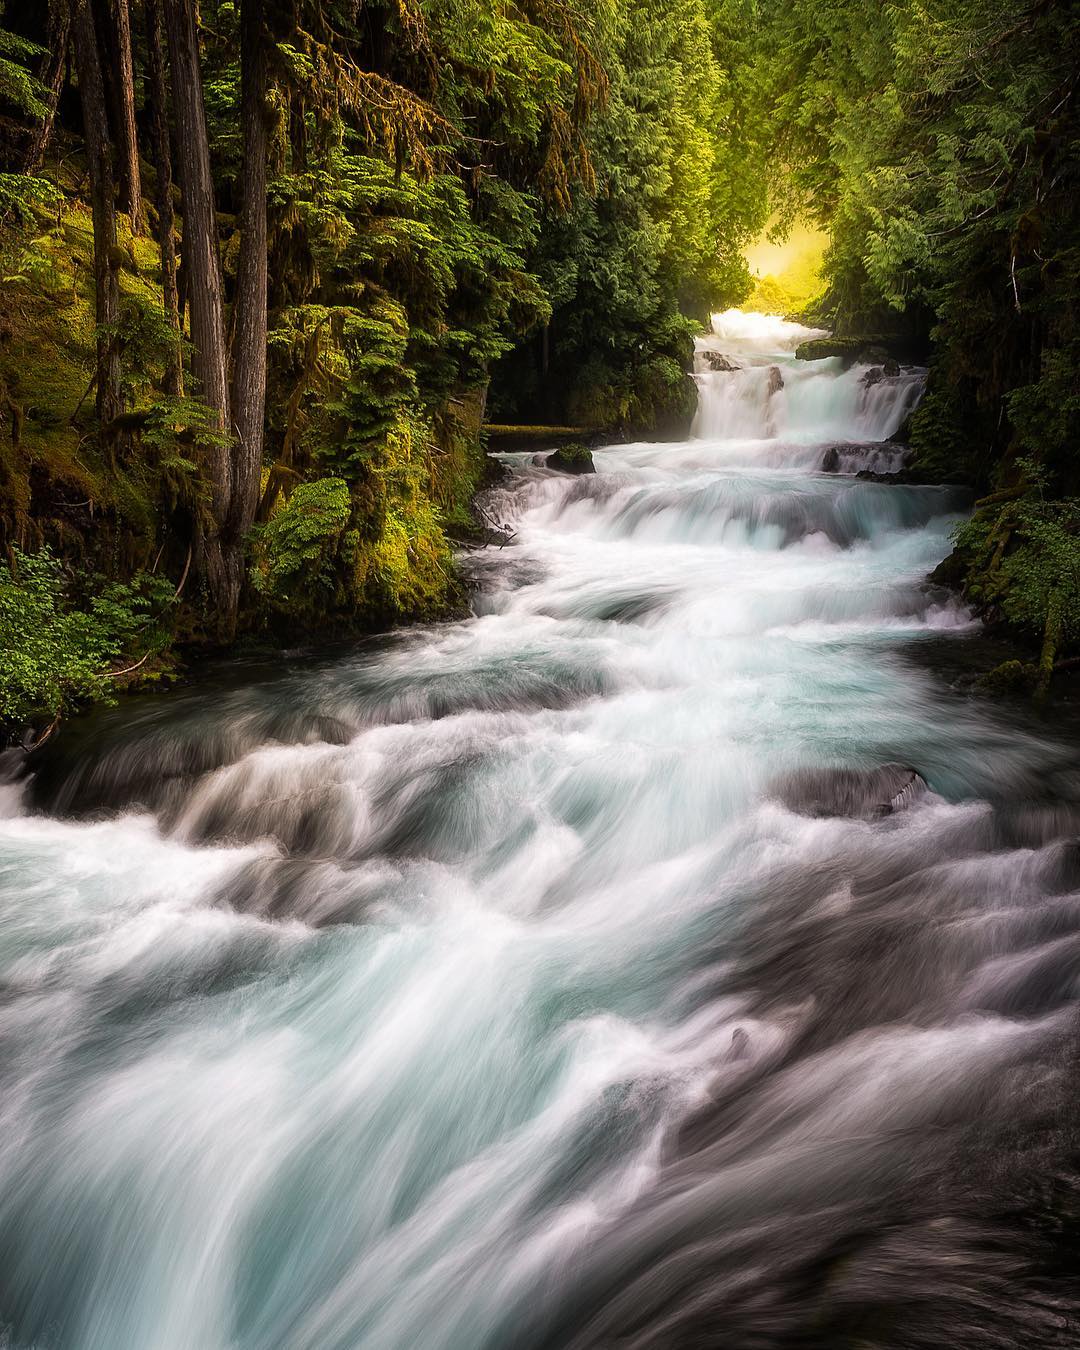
(514, 983)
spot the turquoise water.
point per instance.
(477, 988)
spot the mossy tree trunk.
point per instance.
(1051, 642)
(127, 133)
(166, 223)
(249, 356)
(221, 562)
(102, 193)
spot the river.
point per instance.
(573, 975)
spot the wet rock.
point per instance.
(571, 459)
(898, 477)
(951, 571)
(719, 362)
(870, 461)
(863, 794)
(1010, 677)
(821, 349)
(776, 380)
(888, 369)
(12, 765)
(864, 351)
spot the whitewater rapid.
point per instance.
(488, 986)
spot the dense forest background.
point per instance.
(270, 269)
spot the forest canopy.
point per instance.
(271, 268)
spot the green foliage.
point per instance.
(1024, 558)
(145, 338)
(373, 547)
(296, 546)
(22, 193)
(1044, 567)
(171, 422)
(937, 141)
(415, 149)
(19, 89)
(632, 269)
(60, 639)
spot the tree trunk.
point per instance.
(166, 223)
(1051, 642)
(249, 365)
(52, 77)
(102, 193)
(202, 277)
(127, 134)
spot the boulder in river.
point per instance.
(855, 351)
(718, 361)
(830, 460)
(862, 794)
(776, 380)
(888, 370)
(822, 349)
(571, 459)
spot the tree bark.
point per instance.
(1051, 642)
(127, 133)
(102, 193)
(249, 365)
(52, 77)
(201, 262)
(166, 222)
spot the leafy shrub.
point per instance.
(296, 547)
(20, 89)
(1043, 569)
(55, 652)
(1022, 554)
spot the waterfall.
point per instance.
(660, 955)
(752, 387)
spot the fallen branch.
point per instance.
(115, 674)
(183, 575)
(37, 744)
(86, 395)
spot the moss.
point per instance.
(406, 570)
(572, 459)
(385, 557)
(56, 486)
(500, 432)
(410, 474)
(1010, 677)
(459, 465)
(870, 350)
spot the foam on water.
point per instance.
(477, 989)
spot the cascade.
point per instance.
(660, 953)
(751, 386)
